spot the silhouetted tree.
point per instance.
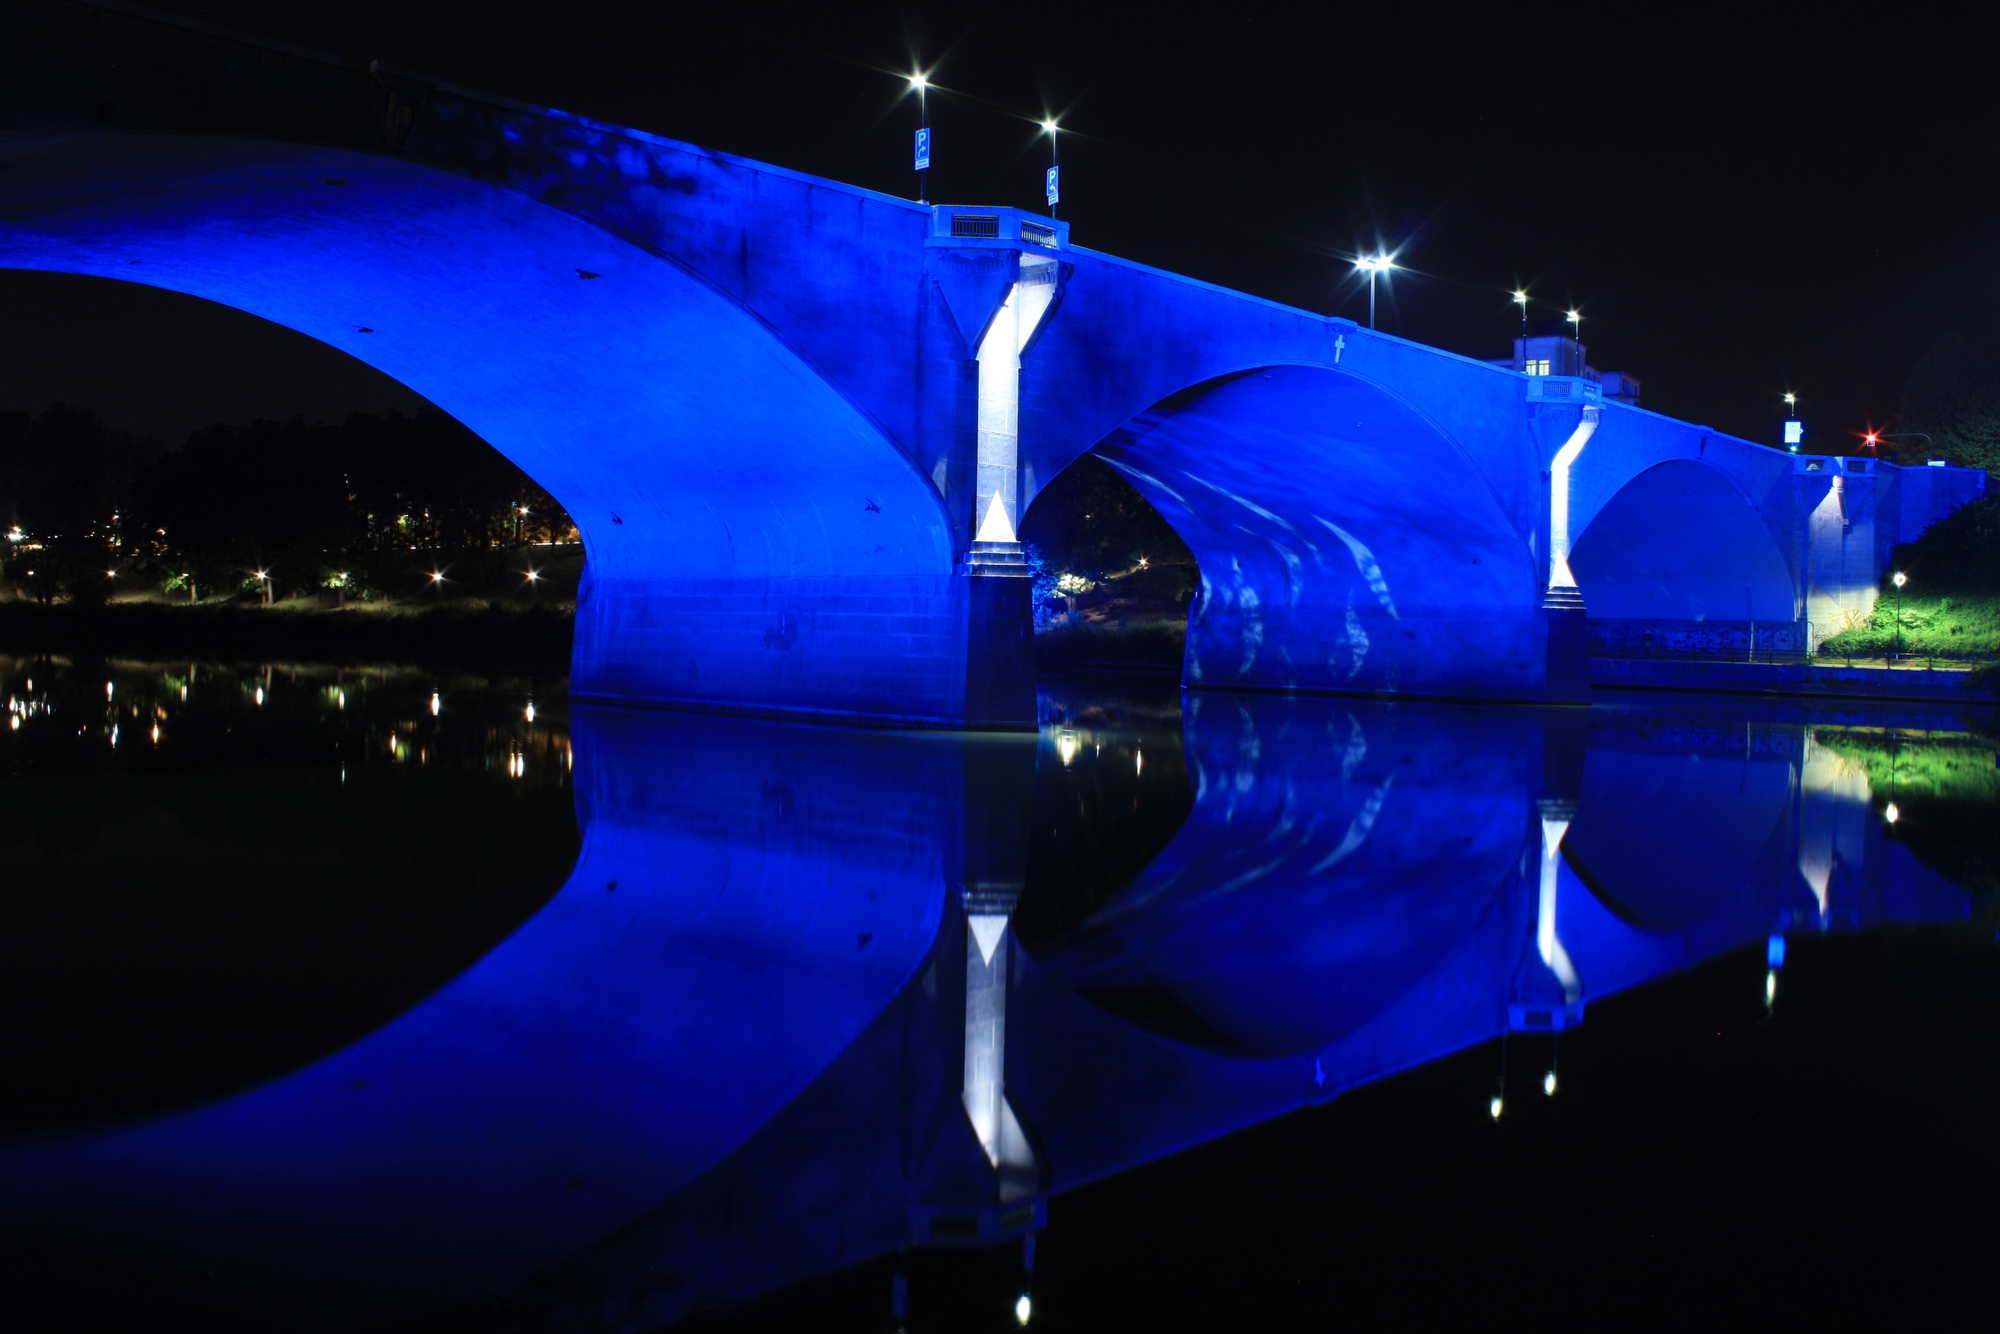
(1953, 396)
(68, 478)
(303, 502)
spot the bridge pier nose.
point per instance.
(1568, 638)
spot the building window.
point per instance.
(1535, 367)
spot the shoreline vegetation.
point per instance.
(477, 635)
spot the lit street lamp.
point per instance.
(1576, 320)
(923, 159)
(1899, 581)
(1372, 265)
(1054, 179)
(1521, 300)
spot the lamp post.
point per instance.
(1053, 183)
(1576, 322)
(1521, 300)
(922, 84)
(1372, 265)
(1899, 581)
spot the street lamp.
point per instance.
(923, 86)
(1521, 300)
(1053, 190)
(1576, 319)
(1899, 581)
(1372, 265)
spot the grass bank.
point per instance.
(479, 635)
(1967, 626)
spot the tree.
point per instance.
(69, 477)
(235, 500)
(1953, 396)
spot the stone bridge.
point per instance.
(798, 423)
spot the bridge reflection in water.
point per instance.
(812, 996)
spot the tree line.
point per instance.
(87, 506)
(1953, 396)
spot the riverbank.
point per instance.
(465, 633)
(1911, 679)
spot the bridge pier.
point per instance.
(1562, 605)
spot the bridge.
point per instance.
(798, 423)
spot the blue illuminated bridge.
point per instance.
(798, 423)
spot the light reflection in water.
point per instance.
(957, 975)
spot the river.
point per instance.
(358, 998)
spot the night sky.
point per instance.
(1739, 202)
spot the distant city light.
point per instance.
(436, 704)
(1891, 814)
(1494, 1108)
(531, 712)
(156, 732)
(260, 694)
(108, 689)
(1066, 747)
(1023, 1309)
(1549, 1083)
(1770, 986)
(1138, 761)
(437, 576)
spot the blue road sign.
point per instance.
(923, 149)
(1052, 181)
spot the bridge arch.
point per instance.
(1676, 547)
(1345, 541)
(750, 534)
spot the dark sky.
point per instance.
(1740, 200)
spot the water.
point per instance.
(361, 999)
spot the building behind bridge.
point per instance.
(1550, 349)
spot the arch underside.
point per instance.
(753, 540)
(1344, 542)
(1677, 558)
